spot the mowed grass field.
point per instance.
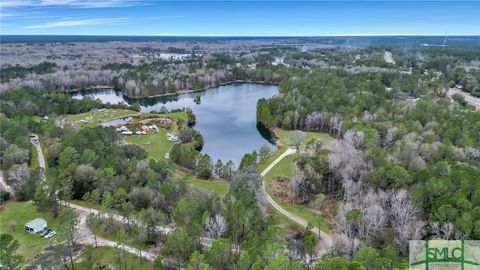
(20, 213)
(219, 187)
(156, 144)
(284, 135)
(106, 256)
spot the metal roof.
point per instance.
(36, 223)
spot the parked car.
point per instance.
(50, 234)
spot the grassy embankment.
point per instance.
(284, 168)
(13, 217)
(106, 256)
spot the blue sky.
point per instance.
(246, 18)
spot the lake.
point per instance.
(226, 116)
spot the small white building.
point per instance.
(153, 128)
(36, 225)
(34, 139)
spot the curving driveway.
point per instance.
(325, 239)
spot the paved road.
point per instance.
(326, 241)
(468, 98)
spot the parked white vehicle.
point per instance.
(50, 234)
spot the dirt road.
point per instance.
(326, 241)
(85, 236)
(468, 98)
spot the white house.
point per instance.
(36, 225)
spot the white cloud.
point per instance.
(72, 3)
(92, 3)
(15, 3)
(73, 23)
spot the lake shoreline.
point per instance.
(105, 87)
(229, 112)
(276, 137)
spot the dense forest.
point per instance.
(406, 161)
(402, 163)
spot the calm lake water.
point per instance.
(226, 116)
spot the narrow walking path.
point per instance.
(326, 241)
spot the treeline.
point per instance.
(161, 77)
(17, 71)
(28, 102)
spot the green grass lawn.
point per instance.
(218, 186)
(21, 213)
(106, 256)
(156, 144)
(284, 135)
(34, 160)
(84, 203)
(262, 165)
(284, 168)
(287, 225)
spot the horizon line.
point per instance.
(220, 35)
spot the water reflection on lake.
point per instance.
(226, 116)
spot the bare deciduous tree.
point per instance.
(19, 175)
(216, 226)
